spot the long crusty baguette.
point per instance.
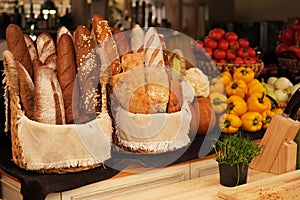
(26, 90)
(136, 57)
(17, 45)
(10, 70)
(60, 31)
(84, 43)
(137, 38)
(156, 76)
(31, 47)
(108, 53)
(85, 91)
(122, 42)
(66, 72)
(46, 50)
(48, 100)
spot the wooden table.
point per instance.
(199, 188)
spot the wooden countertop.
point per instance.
(206, 187)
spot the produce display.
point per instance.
(289, 40)
(280, 89)
(226, 47)
(243, 104)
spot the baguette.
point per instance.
(108, 49)
(84, 43)
(26, 90)
(10, 70)
(48, 100)
(31, 47)
(66, 72)
(122, 42)
(86, 92)
(176, 96)
(60, 31)
(157, 80)
(17, 46)
(46, 50)
(137, 38)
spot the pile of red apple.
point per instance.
(289, 40)
(225, 47)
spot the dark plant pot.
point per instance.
(234, 175)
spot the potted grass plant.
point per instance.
(234, 154)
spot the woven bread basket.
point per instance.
(49, 148)
(168, 131)
(210, 68)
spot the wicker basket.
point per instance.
(257, 67)
(288, 60)
(289, 64)
(171, 135)
(57, 148)
(212, 69)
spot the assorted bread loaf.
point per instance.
(57, 80)
(60, 81)
(145, 83)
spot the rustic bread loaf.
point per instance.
(17, 45)
(46, 50)
(10, 70)
(26, 90)
(48, 100)
(108, 53)
(157, 79)
(31, 47)
(60, 31)
(176, 96)
(84, 43)
(86, 91)
(66, 72)
(122, 42)
(137, 38)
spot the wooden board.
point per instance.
(286, 159)
(281, 130)
(285, 186)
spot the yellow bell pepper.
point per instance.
(251, 121)
(230, 123)
(256, 88)
(216, 85)
(236, 105)
(259, 103)
(237, 87)
(226, 77)
(219, 102)
(253, 82)
(267, 117)
(244, 73)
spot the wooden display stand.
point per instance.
(280, 151)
